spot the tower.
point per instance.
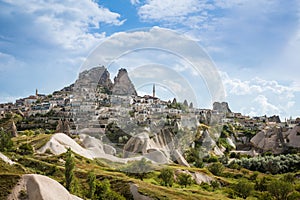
(153, 91)
(36, 92)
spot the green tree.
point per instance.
(69, 170)
(216, 168)
(92, 184)
(280, 189)
(104, 192)
(289, 177)
(6, 143)
(26, 149)
(139, 168)
(184, 179)
(167, 177)
(243, 188)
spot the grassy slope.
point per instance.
(53, 166)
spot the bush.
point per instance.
(184, 179)
(212, 159)
(6, 143)
(271, 164)
(216, 168)
(139, 169)
(103, 191)
(243, 188)
(261, 185)
(167, 177)
(25, 149)
(215, 184)
(253, 176)
(280, 189)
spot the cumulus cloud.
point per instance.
(68, 24)
(48, 40)
(259, 97)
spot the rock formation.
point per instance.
(293, 137)
(40, 187)
(277, 140)
(63, 126)
(160, 147)
(122, 84)
(14, 131)
(221, 107)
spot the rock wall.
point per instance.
(122, 84)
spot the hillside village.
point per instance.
(108, 122)
(93, 102)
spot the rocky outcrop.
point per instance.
(122, 84)
(198, 177)
(63, 126)
(38, 187)
(270, 139)
(14, 131)
(92, 147)
(97, 76)
(161, 147)
(274, 118)
(293, 137)
(221, 107)
(276, 140)
(179, 158)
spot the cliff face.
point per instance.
(98, 76)
(221, 107)
(276, 140)
(122, 84)
(91, 79)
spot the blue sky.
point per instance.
(255, 45)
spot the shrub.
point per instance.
(243, 188)
(216, 168)
(6, 143)
(215, 184)
(139, 169)
(184, 179)
(289, 177)
(253, 176)
(92, 184)
(280, 189)
(212, 159)
(167, 177)
(25, 149)
(103, 191)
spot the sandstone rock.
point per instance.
(221, 107)
(293, 137)
(137, 144)
(197, 176)
(109, 149)
(122, 84)
(270, 139)
(38, 187)
(14, 131)
(179, 158)
(157, 156)
(202, 178)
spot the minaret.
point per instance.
(36, 93)
(153, 90)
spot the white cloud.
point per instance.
(264, 106)
(65, 23)
(268, 97)
(134, 2)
